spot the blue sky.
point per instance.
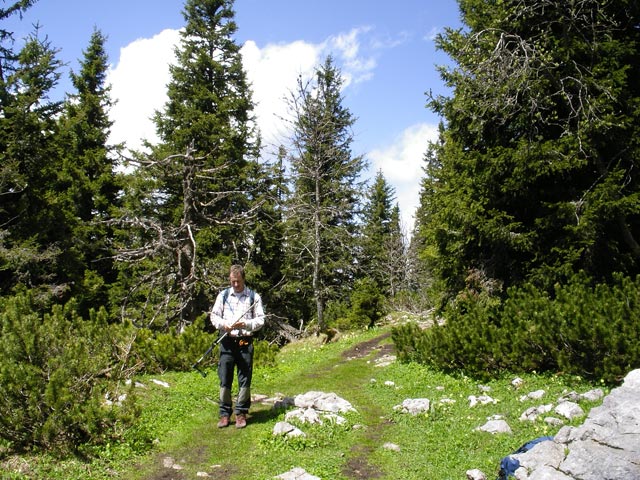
(386, 53)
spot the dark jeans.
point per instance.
(235, 352)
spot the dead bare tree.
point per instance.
(326, 195)
(163, 255)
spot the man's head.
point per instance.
(236, 278)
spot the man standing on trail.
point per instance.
(237, 314)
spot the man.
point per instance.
(238, 313)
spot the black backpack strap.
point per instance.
(252, 297)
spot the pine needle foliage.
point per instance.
(582, 329)
(54, 369)
(326, 197)
(534, 176)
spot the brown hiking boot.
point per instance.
(241, 420)
(224, 422)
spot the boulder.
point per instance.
(414, 406)
(531, 414)
(287, 430)
(536, 395)
(482, 400)
(605, 446)
(304, 415)
(476, 474)
(495, 426)
(569, 410)
(297, 473)
(326, 402)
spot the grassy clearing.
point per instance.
(180, 422)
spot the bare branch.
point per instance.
(168, 252)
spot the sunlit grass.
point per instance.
(179, 422)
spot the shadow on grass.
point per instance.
(264, 413)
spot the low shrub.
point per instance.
(579, 328)
(55, 370)
(159, 352)
(264, 354)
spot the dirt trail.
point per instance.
(358, 466)
(173, 466)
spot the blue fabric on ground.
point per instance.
(509, 465)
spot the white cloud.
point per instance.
(138, 84)
(140, 77)
(433, 34)
(273, 72)
(355, 67)
(389, 42)
(401, 164)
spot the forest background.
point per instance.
(525, 246)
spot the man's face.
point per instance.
(237, 282)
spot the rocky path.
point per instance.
(191, 461)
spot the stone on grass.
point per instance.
(297, 473)
(287, 430)
(590, 396)
(476, 474)
(326, 402)
(536, 395)
(482, 400)
(593, 395)
(169, 462)
(385, 360)
(414, 406)
(553, 421)
(283, 403)
(569, 410)
(517, 382)
(532, 414)
(495, 426)
(334, 419)
(304, 415)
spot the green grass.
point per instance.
(179, 422)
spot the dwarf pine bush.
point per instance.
(582, 329)
(158, 351)
(161, 351)
(54, 373)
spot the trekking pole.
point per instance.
(213, 345)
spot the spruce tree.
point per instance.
(325, 202)
(195, 198)
(30, 211)
(395, 261)
(535, 175)
(88, 179)
(7, 54)
(383, 255)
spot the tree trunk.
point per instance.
(317, 288)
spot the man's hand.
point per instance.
(235, 326)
